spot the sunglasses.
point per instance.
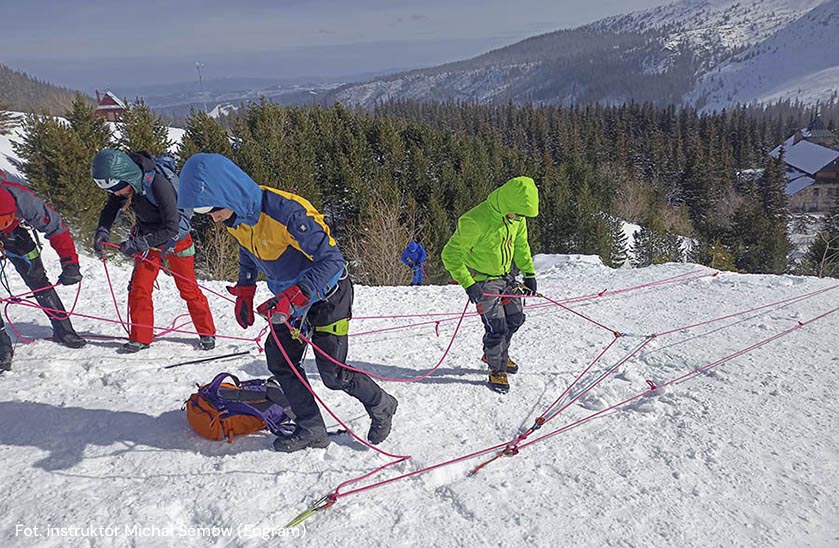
(111, 185)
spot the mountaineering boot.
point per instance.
(6, 351)
(380, 418)
(207, 342)
(62, 329)
(512, 367)
(70, 339)
(301, 439)
(132, 347)
(498, 381)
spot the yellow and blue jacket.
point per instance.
(280, 234)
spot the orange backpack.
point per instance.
(221, 410)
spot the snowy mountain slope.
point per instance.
(800, 61)
(630, 57)
(742, 455)
(704, 24)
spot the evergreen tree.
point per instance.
(618, 254)
(760, 244)
(7, 119)
(143, 130)
(57, 165)
(202, 134)
(822, 257)
(643, 248)
(773, 189)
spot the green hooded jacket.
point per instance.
(487, 242)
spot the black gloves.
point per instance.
(475, 292)
(70, 274)
(133, 246)
(101, 236)
(530, 284)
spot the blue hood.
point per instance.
(213, 180)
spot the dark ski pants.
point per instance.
(357, 385)
(501, 318)
(418, 273)
(20, 249)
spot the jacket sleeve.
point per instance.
(458, 247)
(521, 253)
(111, 211)
(422, 255)
(170, 217)
(404, 258)
(248, 270)
(307, 229)
(43, 218)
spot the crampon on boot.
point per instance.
(498, 382)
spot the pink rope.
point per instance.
(683, 377)
(175, 274)
(388, 379)
(318, 398)
(113, 295)
(16, 299)
(801, 297)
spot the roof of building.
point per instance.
(114, 103)
(804, 155)
(797, 181)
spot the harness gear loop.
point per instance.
(339, 328)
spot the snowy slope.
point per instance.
(742, 455)
(791, 53)
(708, 23)
(800, 62)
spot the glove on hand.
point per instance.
(134, 245)
(101, 236)
(475, 292)
(279, 308)
(530, 284)
(244, 303)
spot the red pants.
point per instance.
(141, 305)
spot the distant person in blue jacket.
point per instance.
(414, 257)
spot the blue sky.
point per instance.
(92, 43)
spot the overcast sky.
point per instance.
(89, 43)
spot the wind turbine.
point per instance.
(198, 67)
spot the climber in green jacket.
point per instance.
(480, 255)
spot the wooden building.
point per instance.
(812, 161)
(110, 107)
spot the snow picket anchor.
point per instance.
(510, 450)
(321, 504)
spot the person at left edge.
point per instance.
(282, 235)
(134, 180)
(19, 204)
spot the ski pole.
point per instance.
(223, 356)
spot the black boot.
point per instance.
(301, 439)
(380, 418)
(62, 329)
(6, 351)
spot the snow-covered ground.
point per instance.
(744, 454)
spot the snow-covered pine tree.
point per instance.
(7, 119)
(619, 244)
